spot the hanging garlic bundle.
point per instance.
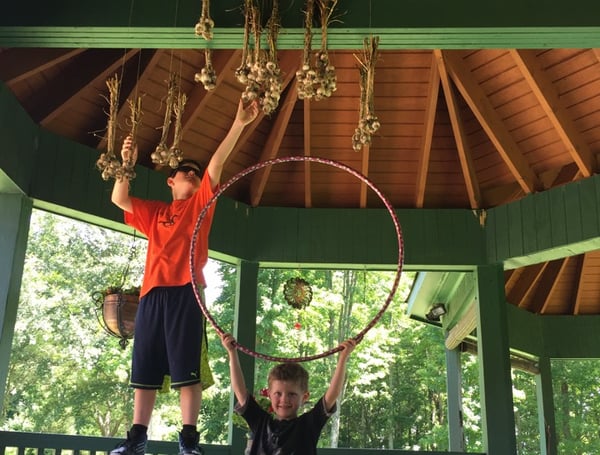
(241, 73)
(175, 153)
(207, 74)
(107, 163)
(320, 81)
(135, 115)
(204, 27)
(368, 122)
(161, 153)
(261, 73)
(256, 64)
(273, 84)
(307, 76)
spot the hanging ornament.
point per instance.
(297, 293)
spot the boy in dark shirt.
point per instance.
(286, 433)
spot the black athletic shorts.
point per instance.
(169, 328)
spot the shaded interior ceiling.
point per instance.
(460, 128)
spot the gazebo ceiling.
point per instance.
(460, 128)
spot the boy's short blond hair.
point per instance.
(289, 372)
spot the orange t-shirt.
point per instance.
(169, 228)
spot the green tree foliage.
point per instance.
(68, 376)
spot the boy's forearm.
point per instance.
(120, 195)
(337, 382)
(238, 383)
(217, 161)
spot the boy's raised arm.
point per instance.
(120, 193)
(337, 380)
(235, 370)
(244, 116)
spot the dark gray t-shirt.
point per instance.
(297, 436)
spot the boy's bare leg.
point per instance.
(143, 404)
(190, 399)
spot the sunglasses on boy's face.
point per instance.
(187, 169)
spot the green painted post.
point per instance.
(497, 414)
(244, 329)
(454, 388)
(545, 400)
(15, 213)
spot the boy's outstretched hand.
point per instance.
(246, 114)
(228, 342)
(348, 346)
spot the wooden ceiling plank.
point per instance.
(430, 111)
(307, 131)
(16, 66)
(582, 260)
(86, 69)
(147, 67)
(518, 293)
(462, 147)
(200, 97)
(555, 109)
(491, 123)
(273, 142)
(547, 284)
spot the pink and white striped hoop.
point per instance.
(359, 336)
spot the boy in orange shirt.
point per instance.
(169, 332)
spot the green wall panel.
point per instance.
(19, 141)
(351, 13)
(553, 224)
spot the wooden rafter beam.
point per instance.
(460, 137)
(430, 111)
(520, 291)
(555, 109)
(14, 68)
(491, 123)
(273, 142)
(579, 279)
(547, 284)
(86, 69)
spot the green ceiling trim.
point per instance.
(338, 38)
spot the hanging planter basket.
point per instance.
(116, 314)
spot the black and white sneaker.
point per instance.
(130, 447)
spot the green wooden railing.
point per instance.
(19, 443)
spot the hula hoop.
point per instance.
(358, 337)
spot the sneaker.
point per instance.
(190, 447)
(130, 447)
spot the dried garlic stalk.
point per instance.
(207, 74)
(108, 163)
(175, 153)
(205, 25)
(135, 115)
(368, 122)
(161, 153)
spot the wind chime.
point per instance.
(259, 70)
(368, 122)
(318, 81)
